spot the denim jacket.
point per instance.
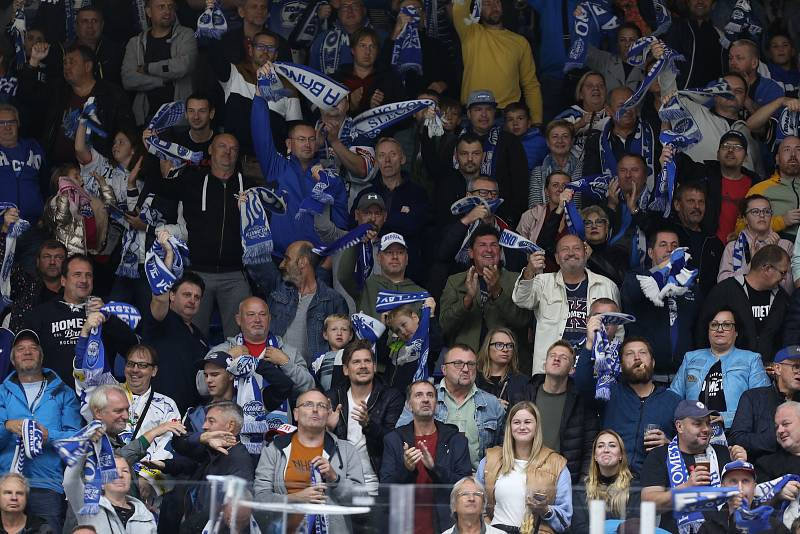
(489, 417)
(741, 370)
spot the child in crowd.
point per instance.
(518, 122)
(403, 322)
(451, 115)
(327, 367)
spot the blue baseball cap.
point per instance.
(693, 409)
(792, 352)
(738, 465)
(219, 358)
(481, 96)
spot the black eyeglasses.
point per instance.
(499, 345)
(458, 364)
(484, 193)
(138, 365)
(763, 212)
(725, 326)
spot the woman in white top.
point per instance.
(528, 486)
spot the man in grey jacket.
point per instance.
(158, 62)
(310, 465)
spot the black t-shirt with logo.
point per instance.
(711, 391)
(575, 327)
(759, 305)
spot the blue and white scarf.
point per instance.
(672, 110)
(367, 327)
(490, 141)
(129, 260)
(99, 464)
(8, 85)
(14, 231)
(741, 251)
(672, 280)
(606, 354)
(407, 50)
(665, 184)
(169, 115)
(373, 121)
(637, 56)
(788, 122)
(211, 23)
(331, 50)
(160, 277)
(364, 260)
(688, 503)
(18, 30)
(29, 445)
(743, 23)
(418, 346)
(305, 28)
(88, 116)
(93, 359)
(254, 229)
(464, 206)
(513, 240)
(320, 90)
(316, 523)
(387, 300)
(643, 143)
(753, 520)
(324, 193)
(574, 220)
(270, 87)
(595, 186)
(593, 19)
(663, 17)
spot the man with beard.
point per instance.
(635, 402)
(562, 299)
(781, 188)
(29, 290)
(299, 301)
(478, 300)
(675, 466)
(199, 113)
(452, 184)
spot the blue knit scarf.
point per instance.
(318, 88)
(606, 354)
(211, 23)
(418, 346)
(14, 231)
(129, 260)
(30, 444)
(407, 50)
(665, 184)
(462, 207)
(741, 250)
(593, 20)
(643, 144)
(637, 56)
(169, 115)
(254, 229)
(743, 23)
(160, 277)
(324, 192)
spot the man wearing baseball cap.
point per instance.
(753, 426)
(689, 460)
(726, 180)
(740, 474)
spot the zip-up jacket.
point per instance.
(754, 423)
(625, 412)
(783, 195)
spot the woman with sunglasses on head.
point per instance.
(528, 486)
(718, 375)
(498, 368)
(756, 210)
(609, 480)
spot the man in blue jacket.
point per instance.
(31, 392)
(634, 401)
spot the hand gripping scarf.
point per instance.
(606, 354)
(325, 190)
(574, 220)
(367, 327)
(99, 466)
(788, 123)
(211, 23)
(356, 237)
(89, 117)
(320, 90)
(741, 251)
(665, 184)
(159, 276)
(689, 503)
(407, 50)
(753, 520)
(513, 240)
(637, 56)
(593, 20)
(316, 523)
(92, 356)
(30, 444)
(743, 23)
(671, 280)
(169, 115)
(80, 207)
(373, 121)
(18, 30)
(305, 28)
(464, 206)
(254, 223)
(270, 87)
(330, 51)
(595, 186)
(14, 231)
(129, 258)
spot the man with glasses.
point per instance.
(20, 163)
(726, 181)
(476, 413)
(427, 451)
(310, 465)
(408, 210)
(780, 187)
(467, 504)
(479, 299)
(757, 298)
(753, 423)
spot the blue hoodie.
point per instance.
(56, 409)
(293, 180)
(550, 52)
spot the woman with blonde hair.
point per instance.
(528, 487)
(498, 368)
(609, 480)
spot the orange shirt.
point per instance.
(298, 474)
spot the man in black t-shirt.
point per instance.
(677, 465)
(757, 299)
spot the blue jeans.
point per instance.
(48, 505)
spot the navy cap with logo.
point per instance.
(738, 465)
(370, 199)
(734, 135)
(792, 352)
(219, 358)
(693, 409)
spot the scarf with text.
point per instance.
(99, 466)
(513, 240)
(741, 251)
(318, 88)
(324, 192)
(788, 123)
(637, 56)
(689, 503)
(462, 207)
(373, 121)
(167, 116)
(418, 347)
(30, 444)
(129, 258)
(595, 186)
(15, 230)
(270, 87)
(593, 19)
(160, 277)
(665, 183)
(331, 50)
(767, 491)
(606, 354)
(671, 280)
(743, 23)
(306, 26)
(254, 224)
(93, 358)
(407, 50)
(211, 23)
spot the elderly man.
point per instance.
(21, 162)
(479, 415)
(752, 426)
(660, 475)
(560, 301)
(310, 465)
(426, 451)
(299, 300)
(478, 300)
(779, 188)
(786, 459)
(467, 505)
(34, 393)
